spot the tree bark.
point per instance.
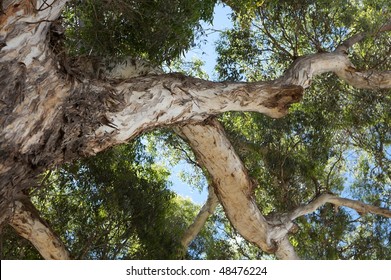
(194, 229)
(360, 207)
(234, 188)
(28, 224)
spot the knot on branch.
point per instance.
(283, 97)
(280, 226)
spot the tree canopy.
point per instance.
(322, 145)
(293, 140)
(155, 30)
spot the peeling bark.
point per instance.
(48, 117)
(234, 188)
(28, 224)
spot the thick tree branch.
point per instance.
(28, 224)
(234, 188)
(232, 184)
(170, 99)
(359, 206)
(370, 79)
(304, 69)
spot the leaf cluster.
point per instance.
(156, 30)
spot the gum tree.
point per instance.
(56, 109)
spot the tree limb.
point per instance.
(305, 68)
(28, 224)
(232, 184)
(207, 209)
(360, 207)
(348, 43)
(234, 188)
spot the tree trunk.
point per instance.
(234, 188)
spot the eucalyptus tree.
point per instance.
(57, 108)
(335, 141)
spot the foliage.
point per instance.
(280, 31)
(113, 206)
(156, 30)
(117, 205)
(309, 152)
(13, 247)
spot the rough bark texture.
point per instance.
(51, 114)
(48, 116)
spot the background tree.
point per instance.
(98, 206)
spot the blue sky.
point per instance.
(207, 51)
(207, 54)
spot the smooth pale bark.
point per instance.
(234, 188)
(360, 207)
(232, 184)
(285, 250)
(28, 224)
(207, 209)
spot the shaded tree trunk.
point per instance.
(234, 189)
